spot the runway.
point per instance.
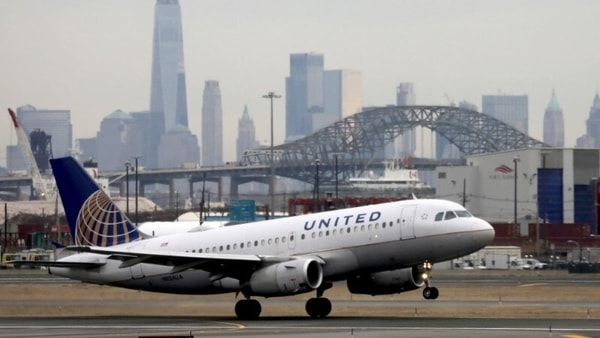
(486, 304)
(140, 326)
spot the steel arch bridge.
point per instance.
(354, 141)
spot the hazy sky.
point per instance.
(94, 57)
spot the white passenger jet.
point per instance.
(378, 249)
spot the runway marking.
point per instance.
(574, 336)
(532, 284)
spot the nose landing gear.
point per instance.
(430, 292)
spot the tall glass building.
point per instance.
(304, 94)
(510, 109)
(405, 144)
(55, 127)
(212, 124)
(168, 90)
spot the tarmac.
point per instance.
(471, 304)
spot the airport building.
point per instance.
(535, 185)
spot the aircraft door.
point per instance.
(407, 222)
(292, 240)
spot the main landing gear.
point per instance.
(430, 292)
(319, 307)
(248, 309)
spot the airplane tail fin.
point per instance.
(93, 217)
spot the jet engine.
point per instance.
(291, 277)
(387, 282)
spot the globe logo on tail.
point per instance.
(101, 223)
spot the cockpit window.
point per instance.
(449, 215)
(439, 216)
(463, 213)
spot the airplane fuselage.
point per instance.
(347, 242)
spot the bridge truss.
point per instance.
(354, 141)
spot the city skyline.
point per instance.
(94, 57)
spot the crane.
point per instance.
(39, 185)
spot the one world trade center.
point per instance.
(168, 92)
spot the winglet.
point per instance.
(93, 217)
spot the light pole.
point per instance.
(271, 96)
(136, 188)
(336, 179)
(176, 205)
(579, 247)
(317, 164)
(515, 160)
(127, 165)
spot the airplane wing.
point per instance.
(222, 264)
(57, 264)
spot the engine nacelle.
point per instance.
(291, 277)
(387, 282)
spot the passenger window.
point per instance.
(450, 215)
(292, 238)
(439, 216)
(255, 243)
(270, 241)
(301, 237)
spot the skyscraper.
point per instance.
(443, 148)
(115, 141)
(246, 135)
(55, 124)
(342, 96)
(554, 124)
(168, 92)
(212, 124)
(510, 109)
(304, 94)
(405, 144)
(591, 139)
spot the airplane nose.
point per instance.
(483, 232)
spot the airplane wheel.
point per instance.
(318, 307)
(248, 309)
(430, 293)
